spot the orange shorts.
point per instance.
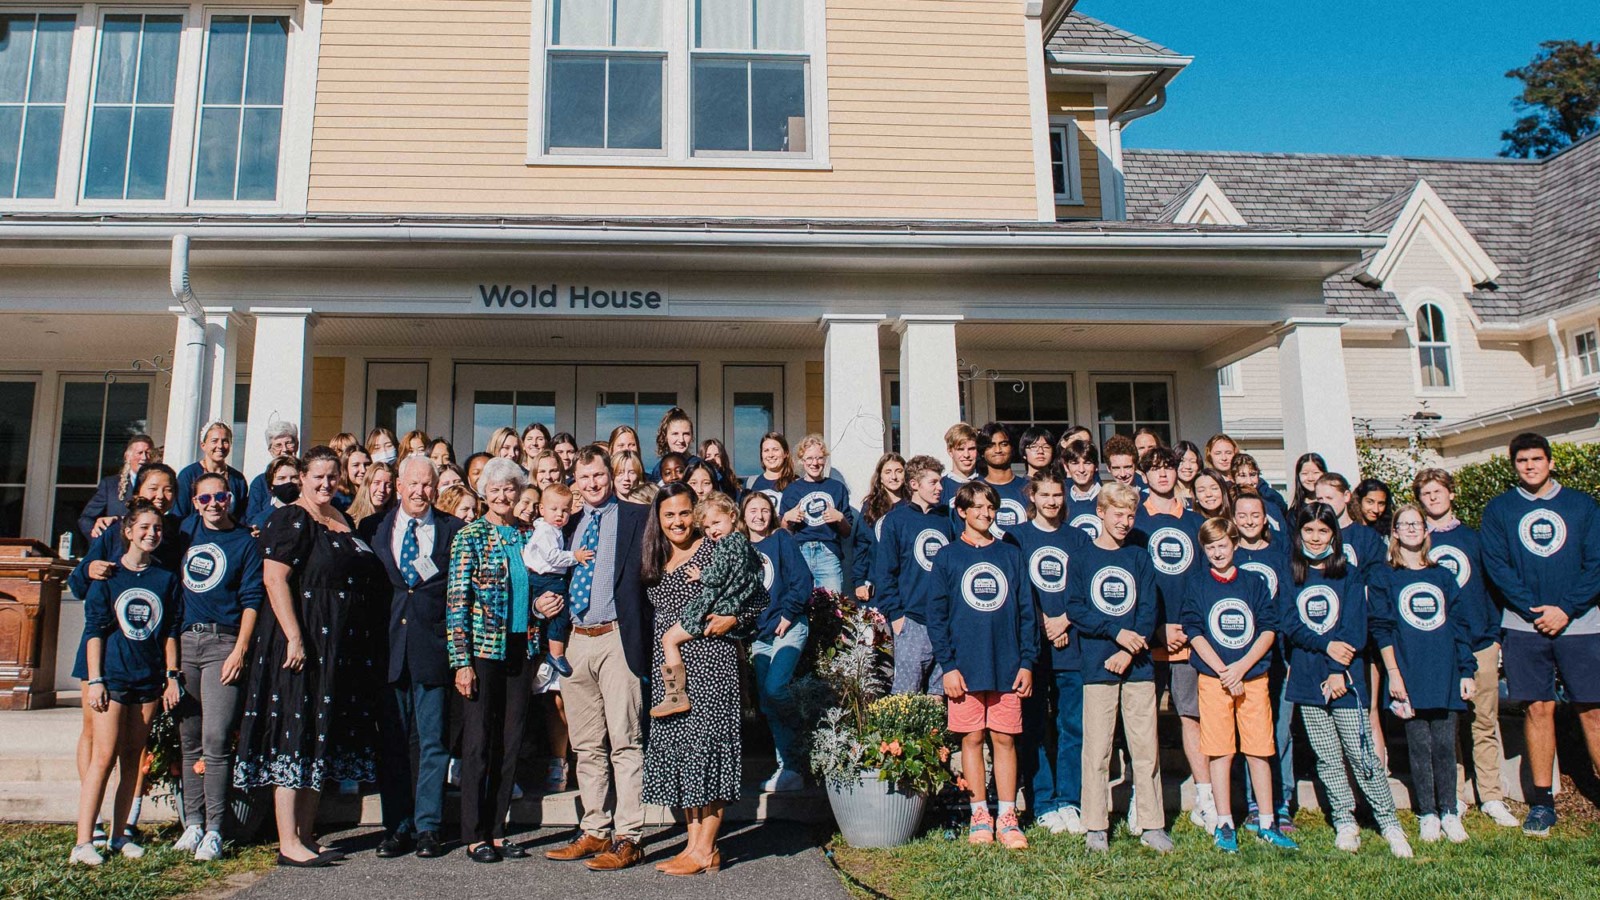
(995, 710)
(1230, 724)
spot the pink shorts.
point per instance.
(993, 710)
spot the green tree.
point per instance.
(1560, 100)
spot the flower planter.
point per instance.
(873, 813)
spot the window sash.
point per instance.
(1066, 180)
(555, 58)
(115, 166)
(1586, 347)
(698, 112)
(238, 140)
(31, 120)
(1107, 423)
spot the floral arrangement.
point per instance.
(912, 748)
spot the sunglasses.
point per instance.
(223, 497)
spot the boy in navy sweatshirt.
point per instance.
(997, 449)
(1541, 547)
(913, 535)
(1230, 617)
(1111, 600)
(985, 636)
(1082, 462)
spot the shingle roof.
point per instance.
(1081, 34)
(1499, 202)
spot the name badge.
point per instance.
(425, 568)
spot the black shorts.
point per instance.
(134, 696)
(1532, 661)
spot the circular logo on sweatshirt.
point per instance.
(204, 567)
(1089, 524)
(1319, 608)
(1171, 550)
(1453, 559)
(1048, 569)
(814, 506)
(984, 587)
(1350, 555)
(138, 614)
(928, 544)
(767, 571)
(1421, 606)
(1010, 514)
(775, 496)
(1232, 624)
(877, 530)
(1113, 591)
(1267, 573)
(1542, 532)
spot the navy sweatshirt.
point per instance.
(1277, 507)
(766, 486)
(1081, 512)
(863, 544)
(1544, 552)
(814, 498)
(981, 614)
(1173, 543)
(1109, 591)
(788, 581)
(1459, 550)
(221, 574)
(1048, 555)
(1230, 615)
(135, 612)
(183, 500)
(260, 505)
(902, 567)
(1423, 619)
(1321, 611)
(1013, 509)
(1365, 550)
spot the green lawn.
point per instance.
(1497, 862)
(33, 866)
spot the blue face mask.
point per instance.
(1318, 557)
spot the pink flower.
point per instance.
(883, 747)
(944, 754)
(894, 748)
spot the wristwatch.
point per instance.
(174, 675)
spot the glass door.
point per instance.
(752, 405)
(637, 396)
(491, 395)
(97, 419)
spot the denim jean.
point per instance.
(1052, 722)
(775, 661)
(826, 567)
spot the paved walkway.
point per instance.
(770, 859)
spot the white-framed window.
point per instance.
(710, 83)
(1586, 350)
(397, 396)
(1433, 349)
(1065, 177)
(1230, 381)
(1033, 402)
(1125, 403)
(131, 104)
(35, 59)
(239, 140)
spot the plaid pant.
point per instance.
(1339, 736)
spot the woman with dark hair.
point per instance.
(715, 454)
(1038, 448)
(310, 693)
(777, 469)
(1327, 626)
(781, 633)
(675, 435)
(1213, 494)
(1189, 466)
(1308, 470)
(353, 465)
(886, 491)
(1371, 506)
(383, 446)
(535, 440)
(701, 478)
(442, 453)
(692, 761)
(565, 446)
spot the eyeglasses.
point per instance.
(1408, 526)
(223, 497)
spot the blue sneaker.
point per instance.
(1227, 841)
(1286, 820)
(1277, 839)
(1539, 821)
(562, 667)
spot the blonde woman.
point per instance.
(628, 476)
(504, 442)
(814, 512)
(461, 502)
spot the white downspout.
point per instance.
(1118, 123)
(1561, 354)
(188, 364)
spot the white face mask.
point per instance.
(385, 456)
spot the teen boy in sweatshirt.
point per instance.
(913, 535)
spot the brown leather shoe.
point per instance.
(623, 853)
(582, 847)
(689, 865)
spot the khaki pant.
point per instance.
(1138, 704)
(604, 715)
(1486, 753)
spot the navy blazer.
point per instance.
(105, 502)
(416, 615)
(635, 615)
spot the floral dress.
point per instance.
(300, 729)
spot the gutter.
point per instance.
(1118, 60)
(1561, 353)
(1513, 413)
(189, 364)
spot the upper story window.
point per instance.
(1433, 348)
(726, 83)
(1064, 174)
(130, 115)
(35, 56)
(1586, 350)
(241, 108)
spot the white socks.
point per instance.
(1008, 807)
(1203, 798)
(1267, 821)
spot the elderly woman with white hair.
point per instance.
(283, 439)
(494, 636)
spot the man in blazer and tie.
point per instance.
(610, 655)
(413, 542)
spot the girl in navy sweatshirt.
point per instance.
(781, 634)
(131, 620)
(1427, 650)
(1327, 676)
(886, 491)
(912, 536)
(815, 509)
(1266, 554)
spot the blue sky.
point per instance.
(1409, 77)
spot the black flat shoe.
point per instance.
(330, 854)
(487, 853)
(429, 846)
(394, 846)
(513, 851)
(316, 862)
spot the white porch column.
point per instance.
(186, 402)
(222, 347)
(1316, 394)
(280, 377)
(930, 394)
(852, 397)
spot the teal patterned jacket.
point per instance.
(478, 597)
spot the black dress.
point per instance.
(300, 729)
(694, 759)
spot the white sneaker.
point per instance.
(127, 848)
(210, 847)
(1203, 819)
(190, 839)
(452, 773)
(1453, 829)
(1398, 845)
(1501, 814)
(86, 855)
(99, 838)
(1348, 838)
(784, 780)
(1428, 829)
(1049, 821)
(1071, 820)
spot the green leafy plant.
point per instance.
(1576, 466)
(1395, 461)
(907, 743)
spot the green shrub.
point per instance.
(1576, 466)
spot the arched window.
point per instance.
(1433, 348)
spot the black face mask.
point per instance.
(286, 493)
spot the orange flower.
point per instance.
(894, 748)
(883, 747)
(199, 767)
(944, 754)
(961, 783)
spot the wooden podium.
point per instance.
(31, 576)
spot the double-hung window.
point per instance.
(241, 108)
(130, 115)
(748, 76)
(605, 76)
(35, 55)
(1586, 350)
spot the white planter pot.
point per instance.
(873, 813)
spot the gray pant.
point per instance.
(205, 725)
(915, 670)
